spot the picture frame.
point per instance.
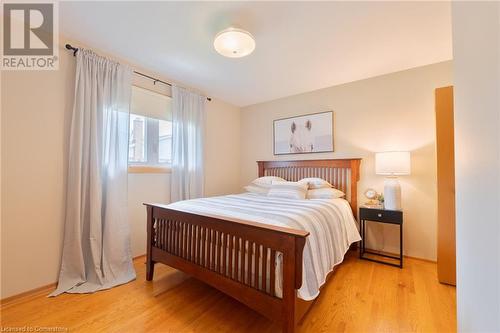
(304, 134)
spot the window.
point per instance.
(150, 136)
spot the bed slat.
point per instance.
(237, 259)
(272, 271)
(264, 269)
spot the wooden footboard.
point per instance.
(236, 257)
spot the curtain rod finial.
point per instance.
(69, 47)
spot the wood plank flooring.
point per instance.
(361, 296)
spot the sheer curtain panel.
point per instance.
(96, 249)
(188, 117)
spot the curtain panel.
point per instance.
(96, 249)
(188, 117)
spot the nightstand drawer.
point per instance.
(381, 215)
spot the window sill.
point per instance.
(148, 169)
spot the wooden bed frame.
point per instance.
(213, 249)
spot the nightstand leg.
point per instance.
(401, 245)
(362, 238)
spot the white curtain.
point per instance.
(188, 116)
(96, 250)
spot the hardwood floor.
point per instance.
(361, 296)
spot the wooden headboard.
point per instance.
(343, 174)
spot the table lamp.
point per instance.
(392, 164)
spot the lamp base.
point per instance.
(392, 194)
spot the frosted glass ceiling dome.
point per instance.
(234, 43)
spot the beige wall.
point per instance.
(35, 121)
(476, 70)
(390, 112)
(36, 112)
(222, 149)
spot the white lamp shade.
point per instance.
(234, 43)
(393, 163)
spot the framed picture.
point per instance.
(312, 133)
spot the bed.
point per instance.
(264, 252)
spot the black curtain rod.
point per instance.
(75, 50)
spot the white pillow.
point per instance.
(288, 190)
(262, 185)
(257, 189)
(325, 193)
(314, 183)
(267, 180)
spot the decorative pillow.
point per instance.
(325, 193)
(288, 190)
(314, 183)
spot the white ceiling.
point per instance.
(301, 46)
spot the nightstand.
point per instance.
(380, 216)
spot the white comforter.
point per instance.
(330, 223)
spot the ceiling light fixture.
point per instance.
(234, 43)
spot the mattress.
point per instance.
(330, 222)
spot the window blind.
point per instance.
(150, 104)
